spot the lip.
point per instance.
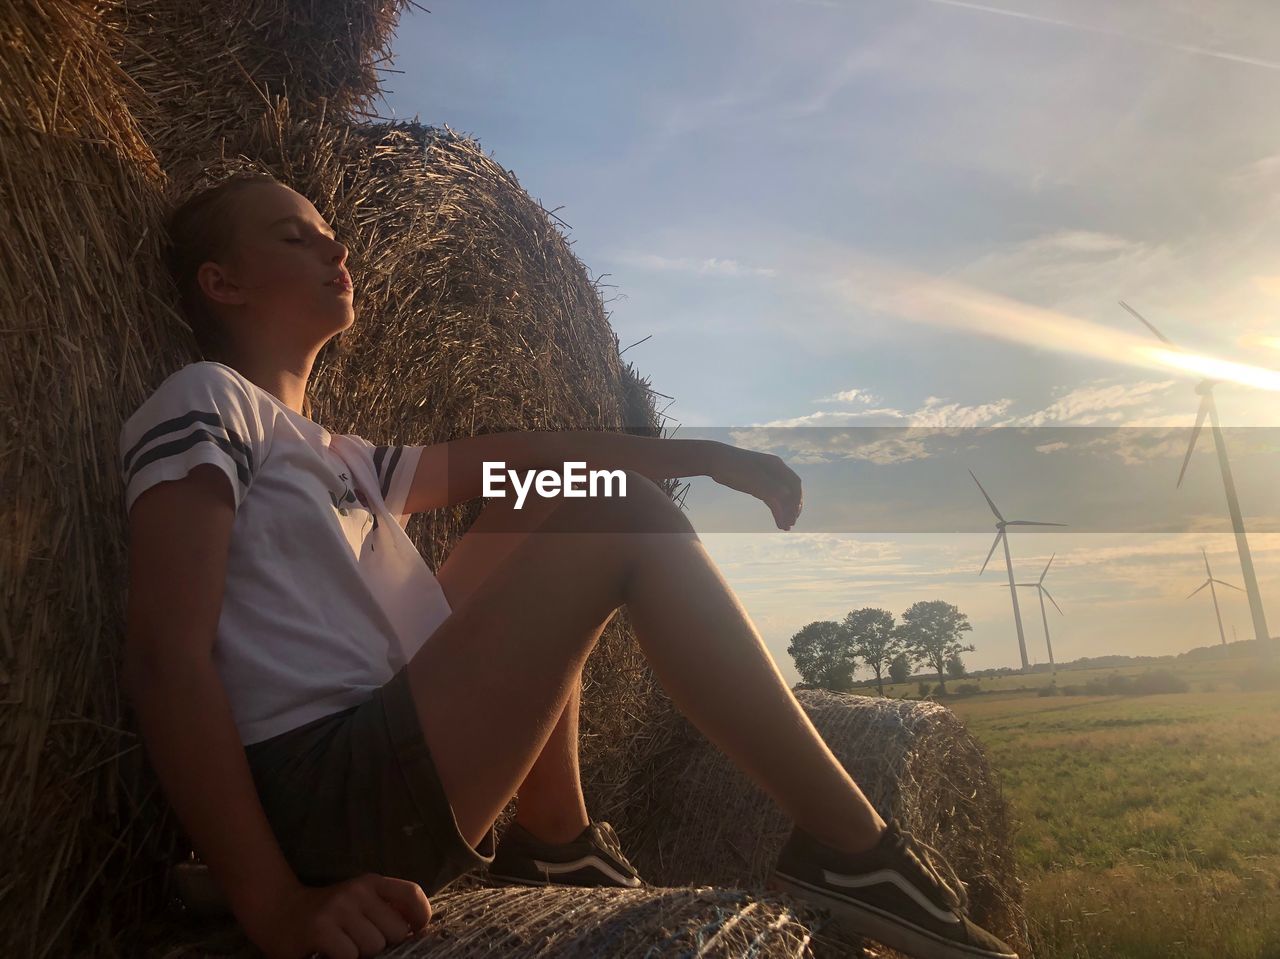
(341, 282)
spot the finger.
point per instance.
(334, 943)
(780, 518)
(363, 932)
(783, 494)
(776, 510)
(393, 926)
(408, 899)
(784, 510)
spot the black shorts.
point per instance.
(357, 791)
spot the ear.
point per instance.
(217, 284)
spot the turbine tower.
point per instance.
(1039, 585)
(1207, 407)
(1214, 593)
(1001, 524)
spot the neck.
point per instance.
(286, 380)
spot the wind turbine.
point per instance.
(1001, 523)
(1214, 593)
(1039, 585)
(1207, 407)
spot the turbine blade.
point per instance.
(988, 498)
(1221, 583)
(994, 544)
(1046, 567)
(1197, 589)
(1051, 599)
(1207, 571)
(1030, 522)
(1191, 447)
(1147, 323)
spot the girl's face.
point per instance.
(283, 269)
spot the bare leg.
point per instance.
(551, 804)
(550, 801)
(495, 678)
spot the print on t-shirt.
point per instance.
(351, 497)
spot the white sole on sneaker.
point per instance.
(542, 882)
(522, 882)
(563, 885)
(884, 927)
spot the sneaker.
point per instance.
(892, 893)
(593, 859)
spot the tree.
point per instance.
(872, 639)
(822, 656)
(900, 668)
(930, 632)
(955, 667)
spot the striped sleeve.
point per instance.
(200, 414)
(395, 467)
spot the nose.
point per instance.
(341, 256)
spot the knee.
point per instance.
(643, 507)
(649, 503)
(642, 489)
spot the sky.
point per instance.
(819, 217)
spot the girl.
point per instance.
(335, 768)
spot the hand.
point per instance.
(763, 475)
(354, 919)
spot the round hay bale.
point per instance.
(695, 817)
(208, 68)
(572, 923)
(79, 192)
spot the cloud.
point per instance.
(1098, 403)
(1065, 269)
(865, 283)
(882, 445)
(1104, 31)
(706, 266)
(1128, 421)
(1086, 241)
(849, 396)
(938, 412)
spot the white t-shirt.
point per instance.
(326, 596)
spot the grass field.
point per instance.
(1210, 676)
(1145, 826)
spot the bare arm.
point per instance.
(652, 456)
(179, 536)
(453, 472)
(185, 720)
